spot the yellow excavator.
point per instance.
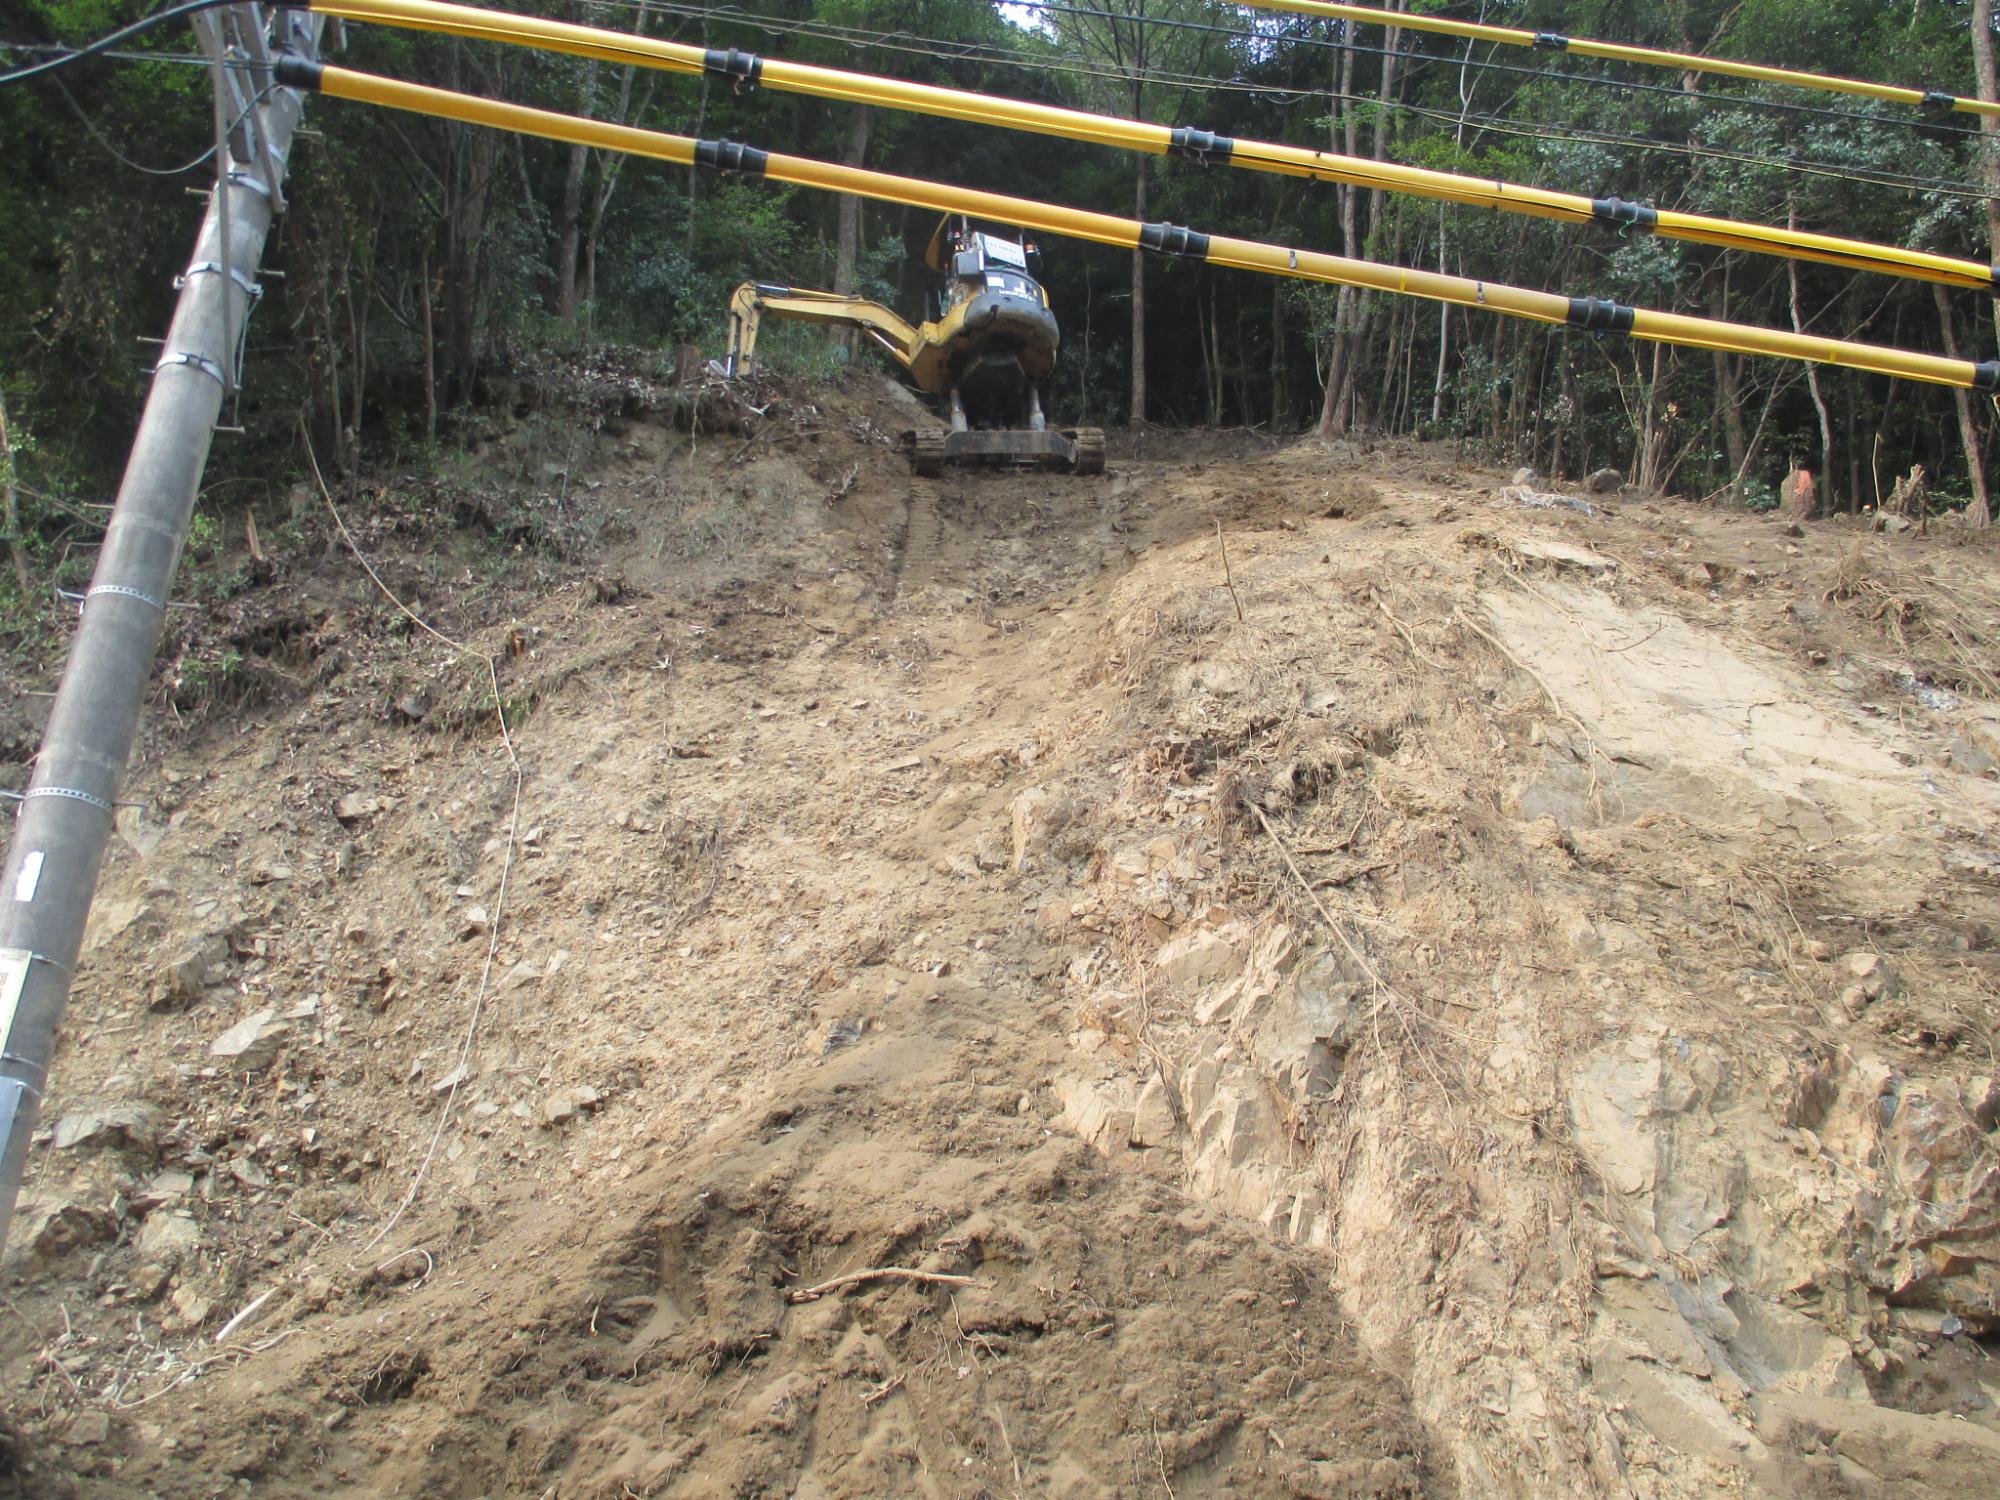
(982, 358)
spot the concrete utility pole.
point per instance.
(66, 814)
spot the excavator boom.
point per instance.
(982, 359)
(754, 300)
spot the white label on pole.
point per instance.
(13, 975)
(30, 877)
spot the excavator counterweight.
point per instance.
(982, 359)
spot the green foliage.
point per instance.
(423, 258)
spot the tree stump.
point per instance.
(1797, 497)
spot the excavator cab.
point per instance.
(983, 357)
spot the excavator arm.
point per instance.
(756, 300)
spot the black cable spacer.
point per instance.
(1171, 239)
(731, 156)
(742, 69)
(1551, 41)
(1621, 211)
(1203, 146)
(1986, 375)
(1936, 102)
(296, 72)
(1599, 315)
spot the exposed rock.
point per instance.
(354, 807)
(566, 1104)
(1604, 482)
(112, 1127)
(1153, 1121)
(1202, 955)
(1039, 815)
(252, 1044)
(520, 976)
(990, 852)
(89, 1428)
(161, 1189)
(167, 1239)
(1883, 1451)
(48, 1225)
(192, 970)
(1099, 1110)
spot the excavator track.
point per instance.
(1089, 450)
(927, 453)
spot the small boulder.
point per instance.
(1604, 482)
(191, 971)
(252, 1044)
(48, 1225)
(167, 1239)
(113, 1127)
(566, 1104)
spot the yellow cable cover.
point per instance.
(1107, 229)
(1136, 135)
(1685, 62)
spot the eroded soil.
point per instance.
(1325, 974)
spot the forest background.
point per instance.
(422, 261)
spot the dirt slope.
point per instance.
(1463, 996)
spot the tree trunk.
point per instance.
(1278, 403)
(10, 511)
(1138, 413)
(847, 256)
(1343, 133)
(1989, 127)
(569, 216)
(1980, 511)
(430, 344)
(1812, 379)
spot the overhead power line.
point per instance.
(1487, 65)
(936, 47)
(105, 44)
(1652, 57)
(1586, 314)
(916, 44)
(749, 70)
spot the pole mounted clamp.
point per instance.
(248, 287)
(1204, 147)
(1172, 239)
(71, 794)
(200, 362)
(243, 178)
(1937, 102)
(1599, 315)
(1551, 41)
(742, 69)
(1624, 214)
(731, 156)
(122, 591)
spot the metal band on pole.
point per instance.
(66, 814)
